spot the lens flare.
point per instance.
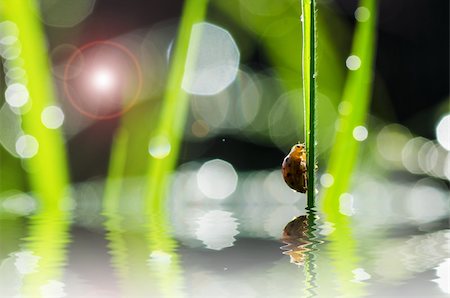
(102, 80)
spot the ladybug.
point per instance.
(294, 169)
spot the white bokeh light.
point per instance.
(353, 62)
(212, 61)
(16, 95)
(346, 204)
(360, 133)
(52, 117)
(326, 180)
(362, 14)
(103, 79)
(11, 127)
(27, 146)
(410, 155)
(360, 275)
(428, 157)
(26, 262)
(345, 107)
(427, 201)
(159, 147)
(53, 289)
(443, 132)
(447, 167)
(390, 143)
(216, 229)
(217, 179)
(21, 204)
(8, 33)
(159, 257)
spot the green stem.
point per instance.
(309, 91)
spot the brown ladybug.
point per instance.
(294, 168)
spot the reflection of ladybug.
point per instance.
(294, 169)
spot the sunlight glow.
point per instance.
(103, 79)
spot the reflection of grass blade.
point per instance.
(309, 90)
(129, 249)
(342, 248)
(47, 240)
(310, 268)
(111, 207)
(48, 168)
(174, 107)
(164, 261)
(356, 97)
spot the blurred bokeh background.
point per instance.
(141, 145)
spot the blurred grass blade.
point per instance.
(47, 169)
(169, 130)
(342, 245)
(113, 186)
(309, 90)
(356, 99)
(168, 134)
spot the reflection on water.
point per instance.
(36, 268)
(119, 246)
(302, 245)
(295, 236)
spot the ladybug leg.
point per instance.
(305, 181)
(303, 166)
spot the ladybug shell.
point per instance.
(294, 168)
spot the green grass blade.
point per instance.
(174, 107)
(170, 126)
(309, 90)
(356, 96)
(48, 173)
(342, 246)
